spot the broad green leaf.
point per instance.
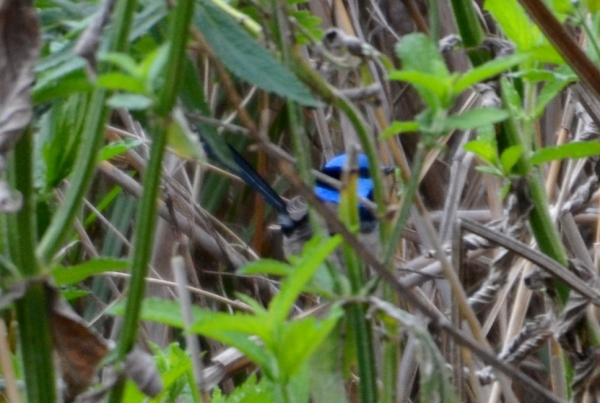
(563, 6)
(483, 150)
(130, 101)
(487, 71)
(418, 53)
(475, 118)
(75, 274)
(580, 149)
(295, 351)
(422, 80)
(157, 310)
(267, 266)
(232, 330)
(515, 23)
(115, 148)
(241, 54)
(312, 257)
(213, 323)
(510, 157)
(546, 53)
(397, 127)
(310, 23)
(122, 82)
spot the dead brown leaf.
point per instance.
(19, 43)
(78, 348)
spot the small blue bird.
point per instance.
(293, 215)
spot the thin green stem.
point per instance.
(92, 137)
(32, 314)
(470, 30)
(146, 218)
(543, 229)
(356, 274)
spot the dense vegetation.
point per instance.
(135, 267)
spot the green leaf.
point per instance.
(158, 310)
(295, 351)
(53, 76)
(192, 93)
(121, 60)
(546, 53)
(563, 6)
(310, 23)
(483, 150)
(115, 148)
(551, 89)
(60, 136)
(130, 101)
(397, 127)
(245, 58)
(212, 323)
(122, 82)
(487, 71)
(515, 23)
(72, 83)
(510, 156)
(512, 97)
(258, 354)
(75, 274)
(424, 81)
(475, 118)
(580, 149)
(489, 169)
(152, 68)
(219, 326)
(418, 53)
(267, 266)
(71, 295)
(315, 253)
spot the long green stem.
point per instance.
(543, 229)
(470, 30)
(146, 217)
(93, 134)
(359, 325)
(32, 314)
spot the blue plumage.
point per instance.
(334, 169)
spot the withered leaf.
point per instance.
(78, 348)
(19, 43)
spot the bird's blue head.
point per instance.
(334, 169)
